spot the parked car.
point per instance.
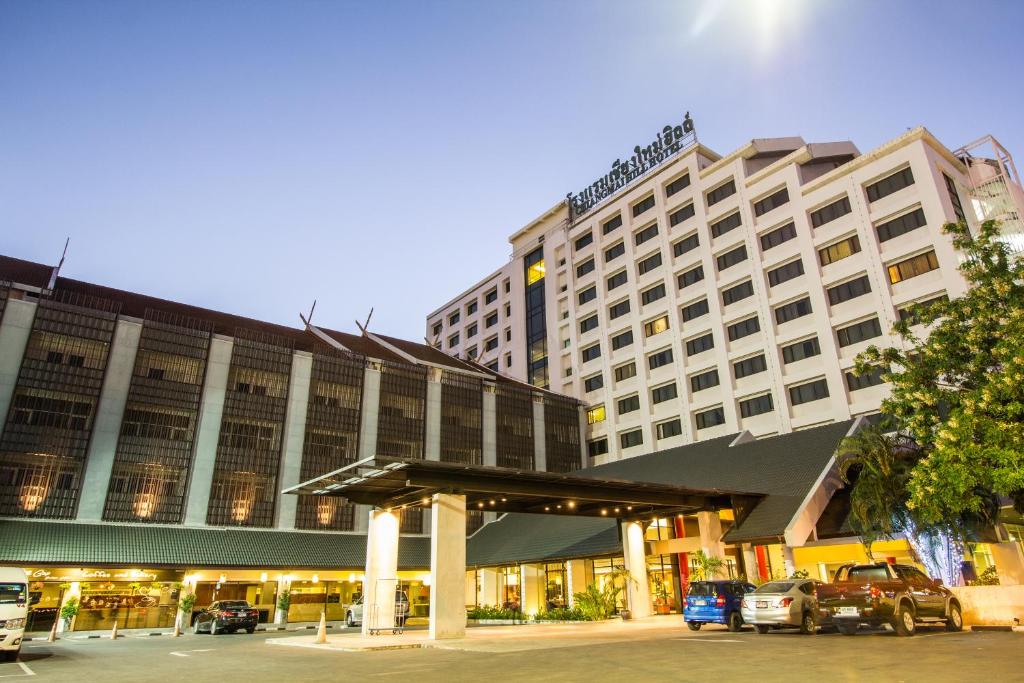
(226, 615)
(787, 603)
(13, 610)
(715, 602)
(895, 594)
(354, 613)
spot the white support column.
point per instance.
(294, 436)
(583, 437)
(488, 588)
(540, 447)
(489, 422)
(74, 591)
(107, 425)
(214, 389)
(710, 526)
(381, 579)
(433, 416)
(634, 551)
(575, 579)
(789, 561)
(15, 329)
(750, 562)
(447, 567)
(370, 411)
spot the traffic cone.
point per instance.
(53, 633)
(321, 632)
(113, 631)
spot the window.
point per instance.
(800, 350)
(700, 344)
(774, 238)
(617, 280)
(695, 310)
(585, 267)
(704, 380)
(757, 405)
(710, 418)
(690, 277)
(650, 263)
(622, 340)
(772, 201)
(589, 323)
(912, 267)
(588, 294)
(677, 185)
(508, 361)
(491, 296)
(839, 250)
(508, 286)
(630, 439)
(666, 430)
(848, 290)
(912, 312)
(656, 326)
(593, 383)
(855, 382)
(591, 352)
(900, 225)
(491, 344)
(508, 310)
(584, 240)
(665, 392)
(737, 293)
(437, 328)
(852, 334)
(657, 360)
(646, 234)
(792, 310)
(743, 328)
(721, 192)
(749, 366)
(649, 296)
(732, 257)
(597, 447)
(619, 309)
(596, 414)
(686, 244)
(624, 372)
(893, 183)
(628, 404)
(614, 223)
(508, 334)
(471, 308)
(535, 271)
(731, 222)
(681, 214)
(614, 252)
(471, 330)
(785, 272)
(453, 341)
(453, 318)
(954, 198)
(643, 205)
(831, 212)
(805, 393)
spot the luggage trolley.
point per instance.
(377, 616)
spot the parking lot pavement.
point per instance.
(647, 654)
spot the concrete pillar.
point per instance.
(583, 436)
(107, 424)
(788, 560)
(1009, 561)
(370, 411)
(211, 409)
(15, 329)
(294, 436)
(362, 517)
(75, 591)
(576, 580)
(447, 567)
(710, 526)
(532, 592)
(540, 447)
(280, 615)
(381, 579)
(488, 588)
(433, 416)
(634, 551)
(489, 422)
(749, 562)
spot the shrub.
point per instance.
(491, 612)
(989, 577)
(562, 614)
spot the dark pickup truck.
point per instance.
(895, 594)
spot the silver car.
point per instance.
(354, 613)
(786, 603)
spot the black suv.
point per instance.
(226, 615)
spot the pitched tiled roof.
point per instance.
(24, 272)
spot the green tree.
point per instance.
(704, 566)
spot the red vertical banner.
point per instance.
(762, 563)
(684, 561)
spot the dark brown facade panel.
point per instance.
(462, 404)
(401, 420)
(514, 424)
(562, 434)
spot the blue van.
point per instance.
(715, 602)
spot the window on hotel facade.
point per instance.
(619, 309)
(471, 330)
(649, 296)
(700, 344)
(628, 404)
(491, 320)
(591, 352)
(614, 252)
(704, 380)
(471, 308)
(589, 323)
(622, 340)
(593, 383)
(650, 263)
(954, 199)
(438, 327)
(892, 183)
(900, 225)
(617, 280)
(743, 328)
(800, 350)
(643, 205)
(453, 341)
(730, 222)
(731, 258)
(695, 310)
(839, 250)
(656, 326)
(668, 429)
(912, 267)
(912, 312)
(785, 272)
(848, 290)
(665, 392)
(831, 212)
(597, 447)
(758, 405)
(625, 371)
(631, 438)
(678, 184)
(585, 267)
(491, 296)
(612, 224)
(749, 366)
(805, 393)
(856, 382)
(681, 214)
(584, 240)
(774, 238)
(710, 418)
(648, 233)
(491, 344)
(852, 334)
(453, 318)
(772, 201)
(691, 277)
(737, 292)
(686, 244)
(792, 310)
(588, 294)
(659, 359)
(721, 192)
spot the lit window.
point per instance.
(535, 272)
(656, 326)
(596, 414)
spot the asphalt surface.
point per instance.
(671, 654)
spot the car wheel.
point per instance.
(349, 620)
(904, 622)
(807, 625)
(251, 630)
(761, 628)
(12, 655)
(694, 625)
(195, 627)
(955, 622)
(735, 622)
(847, 629)
(213, 627)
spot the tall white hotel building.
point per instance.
(714, 294)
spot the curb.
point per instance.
(992, 627)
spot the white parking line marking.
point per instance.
(25, 672)
(183, 653)
(708, 640)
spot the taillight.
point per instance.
(785, 602)
(876, 593)
(743, 602)
(720, 601)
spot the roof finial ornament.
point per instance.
(56, 271)
(308, 320)
(365, 325)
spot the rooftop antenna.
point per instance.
(362, 328)
(56, 271)
(308, 320)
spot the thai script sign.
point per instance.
(670, 140)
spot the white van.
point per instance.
(13, 610)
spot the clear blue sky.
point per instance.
(250, 156)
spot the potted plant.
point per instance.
(284, 601)
(185, 605)
(662, 604)
(69, 611)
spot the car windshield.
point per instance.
(12, 593)
(775, 587)
(869, 573)
(233, 604)
(702, 588)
